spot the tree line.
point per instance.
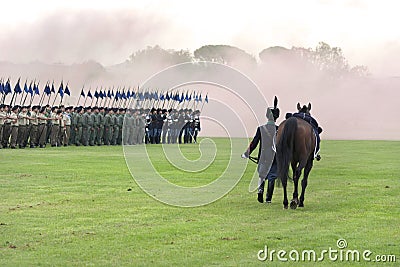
(323, 58)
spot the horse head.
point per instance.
(304, 109)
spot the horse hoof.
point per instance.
(293, 204)
(285, 207)
(301, 205)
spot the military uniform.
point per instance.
(120, 122)
(55, 128)
(14, 128)
(42, 128)
(33, 132)
(78, 129)
(115, 133)
(148, 128)
(6, 129)
(128, 129)
(49, 125)
(92, 128)
(67, 128)
(188, 133)
(86, 128)
(100, 129)
(72, 137)
(22, 125)
(3, 116)
(196, 125)
(141, 122)
(181, 125)
(174, 131)
(108, 127)
(165, 127)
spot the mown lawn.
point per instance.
(79, 206)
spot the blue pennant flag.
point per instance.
(26, 90)
(30, 90)
(7, 88)
(17, 88)
(66, 91)
(167, 97)
(82, 93)
(47, 90)
(89, 94)
(128, 94)
(52, 88)
(96, 95)
(200, 98)
(206, 99)
(109, 93)
(1, 87)
(101, 94)
(36, 89)
(123, 95)
(61, 90)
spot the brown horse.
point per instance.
(295, 145)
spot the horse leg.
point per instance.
(296, 176)
(304, 182)
(285, 200)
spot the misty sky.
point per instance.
(109, 31)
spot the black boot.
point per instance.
(260, 195)
(270, 191)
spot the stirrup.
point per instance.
(318, 157)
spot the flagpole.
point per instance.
(79, 98)
(55, 97)
(42, 96)
(204, 102)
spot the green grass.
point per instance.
(71, 207)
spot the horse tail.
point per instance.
(284, 149)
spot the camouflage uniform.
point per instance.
(108, 128)
(73, 126)
(92, 128)
(114, 119)
(100, 130)
(85, 128)
(78, 129)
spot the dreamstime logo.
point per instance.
(341, 253)
(233, 98)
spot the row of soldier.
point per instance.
(62, 126)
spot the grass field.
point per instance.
(80, 206)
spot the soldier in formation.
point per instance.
(36, 126)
